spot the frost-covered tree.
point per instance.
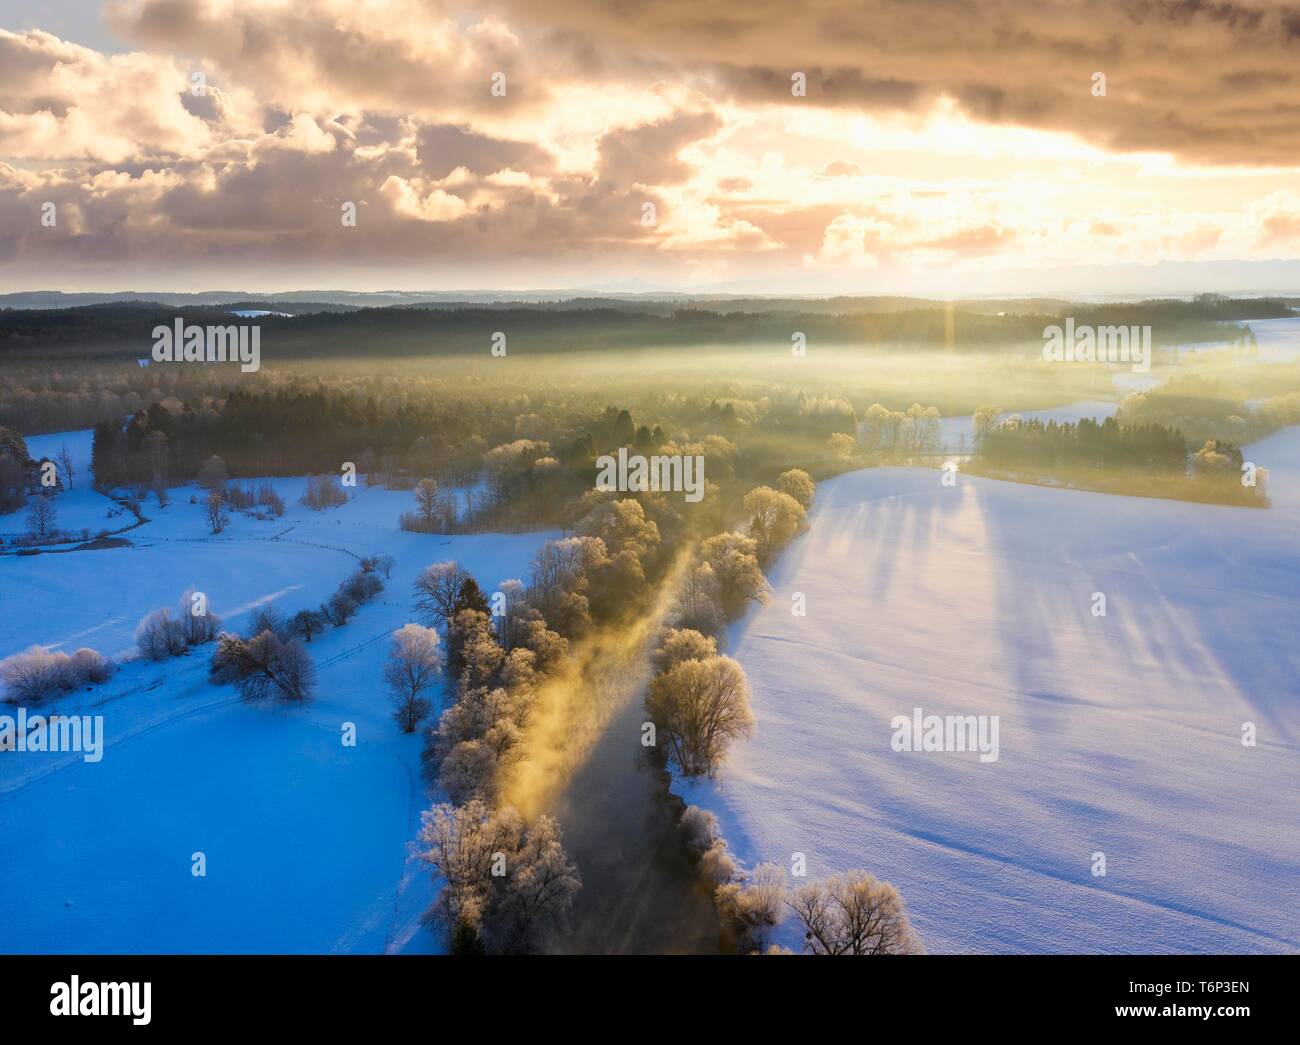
(752, 908)
(34, 674)
(700, 706)
(733, 558)
(414, 663)
(854, 913)
(695, 603)
(504, 884)
(88, 665)
(798, 484)
(679, 644)
(774, 518)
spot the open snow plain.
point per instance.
(306, 841)
(1119, 735)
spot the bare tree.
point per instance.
(854, 913)
(414, 664)
(701, 706)
(42, 519)
(428, 503)
(65, 462)
(436, 589)
(215, 509)
(264, 665)
(306, 623)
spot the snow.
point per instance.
(306, 840)
(1119, 734)
(81, 508)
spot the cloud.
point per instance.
(395, 56)
(840, 169)
(60, 101)
(1207, 81)
(1275, 220)
(441, 148)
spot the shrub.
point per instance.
(34, 674)
(339, 609)
(361, 587)
(306, 623)
(197, 628)
(159, 636)
(323, 492)
(90, 665)
(264, 666)
(267, 618)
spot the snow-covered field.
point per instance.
(80, 508)
(1119, 734)
(306, 840)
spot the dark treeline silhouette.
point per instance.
(125, 329)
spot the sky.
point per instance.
(871, 146)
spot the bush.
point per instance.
(36, 673)
(267, 618)
(323, 492)
(361, 587)
(159, 636)
(90, 665)
(339, 609)
(752, 908)
(306, 623)
(197, 628)
(264, 666)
